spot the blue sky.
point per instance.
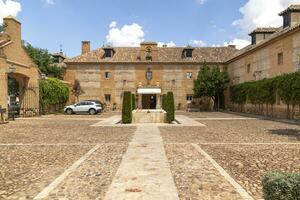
(49, 23)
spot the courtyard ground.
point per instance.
(68, 157)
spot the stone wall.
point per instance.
(128, 77)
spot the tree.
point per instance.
(77, 89)
(164, 102)
(44, 60)
(2, 27)
(127, 108)
(211, 82)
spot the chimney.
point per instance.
(13, 29)
(291, 15)
(261, 34)
(85, 47)
(165, 45)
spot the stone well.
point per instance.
(149, 116)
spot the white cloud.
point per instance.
(169, 44)
(197, 43)
(50, 2)
(239, 43)
(258, 13)
(113, 24)
(128, 36)
(200, 1)
(9, 7)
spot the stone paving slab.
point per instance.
(144, 172)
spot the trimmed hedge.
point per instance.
(170, 107)
(164, 102)
(133, 101)
(281, 186)
(127, 108)
(261, 92)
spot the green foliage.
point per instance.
(2, 27)
(44, 60)
(127, 108)
(170, 107)
(210, 83)
(264, 91)
(133, 102)
(281, 186)
(53, 91)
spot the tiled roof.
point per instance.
(281, 31)
(265, 30)
(291, 8)
(165, 54)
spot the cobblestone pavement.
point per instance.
(92, 179)
(36, 152)
(246, 148)
(249, 163)
(195, 177)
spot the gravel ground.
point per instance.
(25, 170)
(93, 177)
(195, 177)
(233, 131)
(62, 131)
(249, 163)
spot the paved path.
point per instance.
(144, 172)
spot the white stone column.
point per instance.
(158, 104)
(140, 106)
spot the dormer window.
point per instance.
(188, 52)
(148, 54)
(108, 52)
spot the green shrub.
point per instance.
(53, 91)
(133, 101)
(281, 186)
(164, 102)
(127, 108)
(170, 107)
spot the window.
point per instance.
(108, 75)
(248, 68)
(107, 97)
(189, 97)
(286, 20)
(188, 53)
(189, 75)
(280, 58)
(108, 53)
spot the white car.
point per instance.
(84, 107)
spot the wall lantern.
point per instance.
(11, 69)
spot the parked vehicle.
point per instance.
(98, 102)
(84, 107)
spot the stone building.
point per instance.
(147, 71)
(150, 71)
(18, 74)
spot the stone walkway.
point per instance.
(144, 172)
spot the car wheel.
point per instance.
(92, 112)
(69, 111)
